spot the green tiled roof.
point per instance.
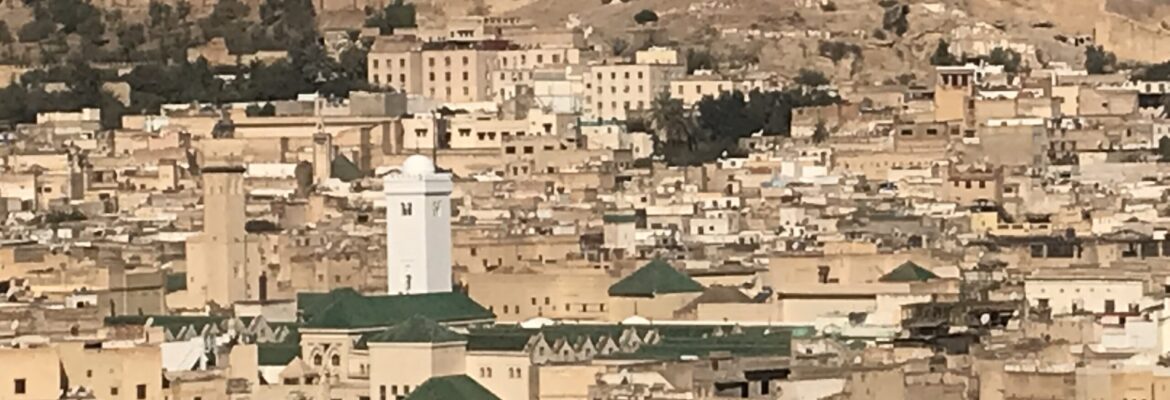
(416, 329)
(619, 218)
(496, 339)
(176, 282)
(277, 354)
(908, 272)
(451, 387)
(752, 342)
(655, 278)
(346, 309)
(344, 169)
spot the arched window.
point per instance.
(317, 360)
(335, 360)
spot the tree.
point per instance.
(645, 16)
(942, 55)
(1099, 61)
(810, 78)
(5, 33)
(699, 60)
(1009, 59)
(820, 133)
(837, 51)
(131, 37)
(894, 19)
(36, 30)
(618, 46)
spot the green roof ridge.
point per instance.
(451, 387)
(416, 329)
(908, 272)
(656, 277)
(347, 309)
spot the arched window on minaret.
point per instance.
(408, 283)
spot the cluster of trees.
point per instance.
(1099, 61)
(394, 15)
(305, 71)
(691, 137)
(283, 25)
(1010, 59)
(172, 79)
(21, 102)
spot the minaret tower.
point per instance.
(418, 228)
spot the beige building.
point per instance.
(107, 370)
(612, 91)
(447, 72)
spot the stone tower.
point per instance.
(216, 266)
(418, 228)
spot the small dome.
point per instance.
(418, 164)
(537, 323)
(635, 320)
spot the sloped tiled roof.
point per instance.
(908, 272)
(655, 278)
(346, 309)
(416, 329)
(451, 387)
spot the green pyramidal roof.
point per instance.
(451, 387)
(417, 329)
(655, 278)
(908, 272)
(344, 169)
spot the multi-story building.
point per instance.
(449, 71)
(614, 90)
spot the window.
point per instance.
(431, 62)
(113, 391)
(376, 79)
(546, 301)
(375, 63)
(317, 359)
(528, 149)
(465, 60)
(336, 359)
(507, 150)
(402, 62)
(19, 386)
(466, 75)
(431, 76)
(402, 78)
(1109, 306)
(447, 76)
(982, 184)
(140, 392)
(407, 209)
(534, 301)
(394, 390)
(447, 61)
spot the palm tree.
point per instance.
(669, 120)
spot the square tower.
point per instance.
(418, 228)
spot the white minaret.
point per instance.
(418, 228)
